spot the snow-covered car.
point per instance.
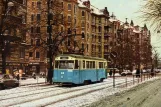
(126, 72)
(23, 76)
(157, 70)
(144, 71)
(7, 81)
(134, 72)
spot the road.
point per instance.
(144, 95)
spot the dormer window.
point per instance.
(83, 13)
(69, 7)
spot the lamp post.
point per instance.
(4, 41)
(113, 55)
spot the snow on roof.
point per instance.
(93, 9)
(81, 3)
(114, 19)
(136, 31)
(96, 10)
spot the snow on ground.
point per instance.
(53, 96)
(32, 81)
(87, 99)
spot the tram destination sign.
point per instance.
(63, 57)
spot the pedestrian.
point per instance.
(110, 73)
(34, 75)
(18, 77)
(138, 73)
(152, 72)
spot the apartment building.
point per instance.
(86, 23)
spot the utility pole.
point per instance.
(50, 54)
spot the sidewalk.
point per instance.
(31, 81)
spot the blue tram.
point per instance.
(79, 69)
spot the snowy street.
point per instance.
(60, 96)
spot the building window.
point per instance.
(99, 39)
(75, 9)
(75, 22)
(83, 35)
(83, 13)
(32, 42)
(39, 5)
(30, 54)
(82, 46)
(32, 5)
(22, 52)
(69, 31)
(99, 29)
(88, 16)
(38, 17)
(37, 54)
(38, 29)
(99, 20)
(69, 18)
(32, 17)
(32, 29)
(99, 48)
(62, 28)
(62, 4)
(24, 2)
(38, 42)
(68, 42)
(62, 18)
(87, 47)
(83, 24)
(92, 47)
(23, 19)
(69, 7)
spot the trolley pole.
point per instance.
(49, 30)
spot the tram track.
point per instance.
(23, 99)
(58, 94)
(24, 91)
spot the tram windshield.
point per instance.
(65, 64)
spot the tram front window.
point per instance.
(66, 64)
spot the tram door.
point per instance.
(97, 70)
(80, 74)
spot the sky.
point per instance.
(128, 9)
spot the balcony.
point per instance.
(13, 20)
(106, 44)
(106, 35)
(18, 1)
(93, 24)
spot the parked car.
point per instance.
(126, 72)
(7, 81)
(23, 76)
(42, 75)
(134, 72)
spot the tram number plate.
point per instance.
(62, 72)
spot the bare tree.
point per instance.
(155, 57)
(54, 40)
(151, 13)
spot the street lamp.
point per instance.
(4, 41)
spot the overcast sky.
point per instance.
(127, 9)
